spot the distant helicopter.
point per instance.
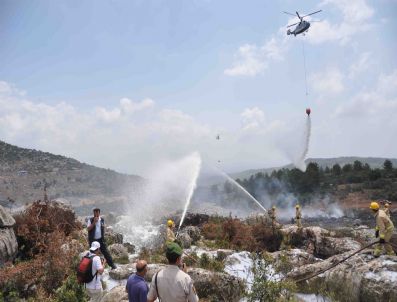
(303, 25)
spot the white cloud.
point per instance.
(361, 65)
(328, 82)
(134, 135)
(252, 60)
(356, 15)
(252, 118)
(378, 103)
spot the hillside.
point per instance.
(373, 162)
(25, 172)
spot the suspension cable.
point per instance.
(304, 65)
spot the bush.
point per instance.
(47, 256)
(71, 291)
(266, 286)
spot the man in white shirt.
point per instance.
(96, 232)
(94, 288)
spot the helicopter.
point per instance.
(303, 25)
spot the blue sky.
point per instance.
(125, 84)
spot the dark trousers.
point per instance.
(104, 251)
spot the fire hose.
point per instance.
(337, 263)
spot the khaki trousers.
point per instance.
(94, 294)
(379, 247)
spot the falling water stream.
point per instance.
(300, 164)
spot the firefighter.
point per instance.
(170, 231)
(273, 217)
(383, 231)
(387, 208)
(298, 216)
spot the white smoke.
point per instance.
(168, 188)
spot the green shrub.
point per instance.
(71, 291)
(265, 287)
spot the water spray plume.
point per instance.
(244, 190)
(300, 163)
(196, 162)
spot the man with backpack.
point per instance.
(96, 232)
(90, 270)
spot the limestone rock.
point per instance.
(330, 246)
(6, 220)
(8, 245)
(361, 278)
(293, 258)
(117, 294)
(130, 247)
(123, 271)
(113, 237)
(217, 286)
(184, 239)
(119, 253)
(194, 233)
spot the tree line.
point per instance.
(319, 180)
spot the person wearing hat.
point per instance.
(298, 216)
(383, 231)
(94, 288)
(386, 208)
(273, 217)
(170, 231)
(96, 232)
(172, 284)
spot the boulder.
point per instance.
(113, 237)
(361, 278)
(130, 247)
(217, 286)
(293, 258)
(194, 233)
(6, 220)
(123, 271)
(330, 246)
(117, 294)
(184, 240)
(317, 241)
(8, 245)
(119, 253)
(8, 241)
(152, 270)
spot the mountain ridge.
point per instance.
(25, 172)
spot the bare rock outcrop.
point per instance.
(318, 241)
(117, 294)
(361, 278)
(8, 241)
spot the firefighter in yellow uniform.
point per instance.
(273, 217)
(170, 231)
(387, 208)
(384, 230)
(298, 216)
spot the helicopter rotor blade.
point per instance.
(298, 15)
(293, 24)
(289, 13)
(312, 13)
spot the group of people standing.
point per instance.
(298, 216)
(171, 284)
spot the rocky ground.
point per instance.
(226, 274)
